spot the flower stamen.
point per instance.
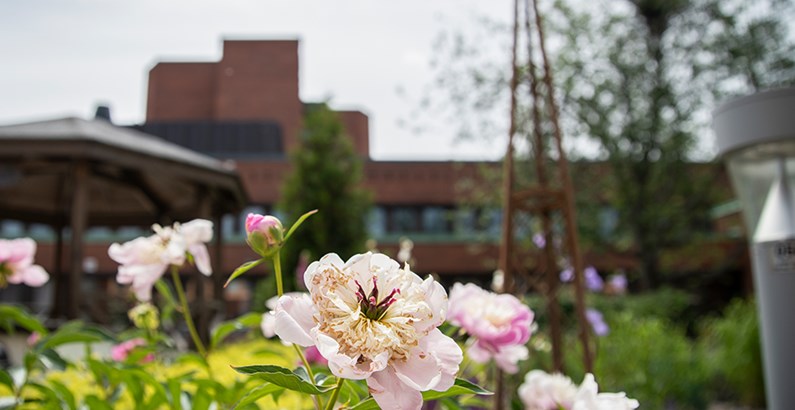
(369, 305)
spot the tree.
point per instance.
(639, 79)
(326, 175)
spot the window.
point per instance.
(229, 225)
(376, 222)
(404, 220)
(465, 221)
(434, 220)
(12, 229)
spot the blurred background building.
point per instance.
(246, 109)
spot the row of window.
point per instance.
(383, 222)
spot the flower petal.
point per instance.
(508, 356)
(197, 231)
(391, 394)
(34, 275)
(294, 319)
(436, 298)
(21, 252)
(311, 270)
(342, 365)
(434, 356)
(201, 257)
(449, 356)
(268, 324)
(142, 278)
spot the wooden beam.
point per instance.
(77, 221)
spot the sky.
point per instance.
(61, 58)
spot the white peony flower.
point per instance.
(373, 320)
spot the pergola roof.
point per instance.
(81, 173)
(135, 178)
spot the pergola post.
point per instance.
(218, 273)
(79, 210)
(202, 310)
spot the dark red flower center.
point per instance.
(370, 306)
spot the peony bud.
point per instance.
(145, 316)
(264, 234)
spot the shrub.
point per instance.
(653, 359)
(730, 347)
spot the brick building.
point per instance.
(246, 108)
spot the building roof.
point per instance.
(135, 178)
(221, 139)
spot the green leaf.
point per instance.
(460, 387)
(53, 360)
(94, 402)
(201, 400)
(298, 223)
(22, 318)
(64, 394)
(66, 337)
(165, 291)
(48, 393)
(282, 377)
(224, 329)
(243, 269)
(156, 401)
(6, 379)
(368, 404)
(258, 393)
(147, 379)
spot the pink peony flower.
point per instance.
(120, 351)
(373, 320)
(16, 263)
(264, 233)
(144, 260)
(542, 391)
(498, 323)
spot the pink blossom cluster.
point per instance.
(145, 259)
(499, 324)
(16, 263)
(121, 351)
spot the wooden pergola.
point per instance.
(75, 173)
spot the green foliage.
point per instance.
(461, 387)
(326, 175)
(731, 351)
(284, 378)
(653, 360)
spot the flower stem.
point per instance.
(318, 402)
(335, 394)
(277, 270)
(186, 312)
(305, 362)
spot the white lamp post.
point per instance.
(756, 138)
